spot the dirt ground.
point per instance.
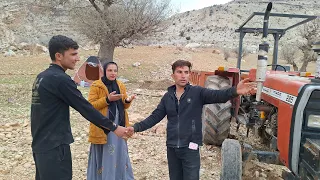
(149, 81)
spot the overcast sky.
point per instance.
(188, 5)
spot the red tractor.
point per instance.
(285, 111)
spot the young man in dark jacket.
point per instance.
(182, 105)
(53, 92)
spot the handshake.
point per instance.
(124, 132)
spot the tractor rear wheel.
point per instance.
(231, 160)
(216, 117)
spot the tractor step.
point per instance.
(263, 156)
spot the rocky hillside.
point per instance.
(27, 21)
(217, 24)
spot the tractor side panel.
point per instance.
(281, 91)
(284, 125)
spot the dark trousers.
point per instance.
(184, 163)
(55, 164)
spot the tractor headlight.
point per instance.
(314, 121)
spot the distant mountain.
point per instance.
(25, 21)
(217, 24)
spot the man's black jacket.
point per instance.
(184, 117)
(52, 93)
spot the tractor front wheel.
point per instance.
(231, 160)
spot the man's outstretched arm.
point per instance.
(210, 96)
(156, 116)
(244, 87)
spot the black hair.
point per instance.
(180, 63)
(60, 44)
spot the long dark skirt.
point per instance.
(110, 161)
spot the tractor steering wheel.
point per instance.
(277, 66)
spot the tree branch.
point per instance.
(107, 3)
(113, 21)
(95, 6)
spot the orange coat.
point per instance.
(97, 97)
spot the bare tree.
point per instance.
(310, 33)
(114, 22)
(288, 52)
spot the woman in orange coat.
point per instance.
(108, 157)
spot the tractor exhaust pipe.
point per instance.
(266, 20)
(316, 49)
(263, 54)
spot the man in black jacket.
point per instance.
(182, 105)
(53, 92)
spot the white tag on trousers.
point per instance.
(193, 146)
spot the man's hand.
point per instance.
(130, 131)
(122, 132)
(114, 97)
(246, 88)
(130, 98)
